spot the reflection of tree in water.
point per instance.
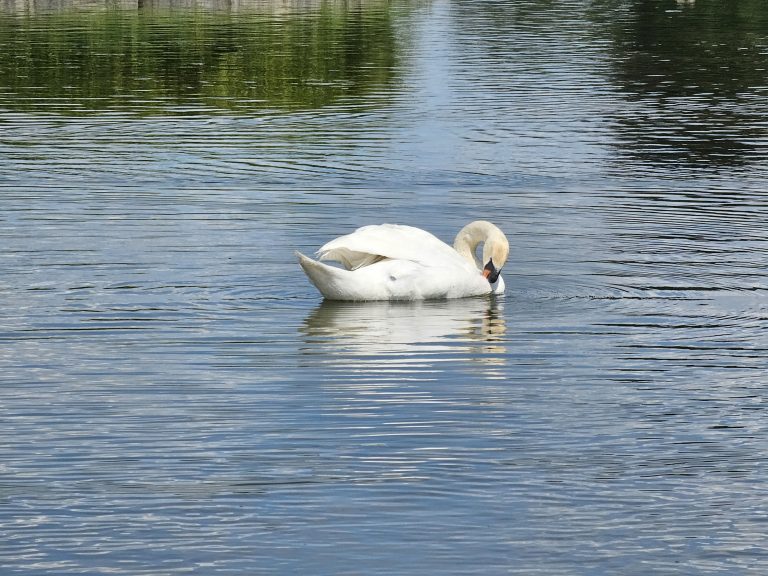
(695, 78)
(152, 58)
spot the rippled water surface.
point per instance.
(177, 399)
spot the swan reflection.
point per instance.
(408, 338)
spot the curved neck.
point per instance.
(473, 234)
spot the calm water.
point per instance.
(177, 399)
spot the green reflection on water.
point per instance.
(152, 60)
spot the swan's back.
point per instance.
(371, 244)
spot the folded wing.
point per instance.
(371, 244)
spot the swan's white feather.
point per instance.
(371, 244)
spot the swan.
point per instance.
(396, 262)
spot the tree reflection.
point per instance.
(695, 79)
(157, 57)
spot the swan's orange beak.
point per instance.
(486, 272)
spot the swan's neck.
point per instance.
(472, 234)
(466, 246)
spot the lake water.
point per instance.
(177, 399)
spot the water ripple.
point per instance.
(176, 397)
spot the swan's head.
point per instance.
(495, 254)
(495, 249)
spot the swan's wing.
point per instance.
(371, 244)
(393, 280)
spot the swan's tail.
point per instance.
(331, 281)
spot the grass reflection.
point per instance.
(153, 58)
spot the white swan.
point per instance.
(393, 262)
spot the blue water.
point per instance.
(177, 399)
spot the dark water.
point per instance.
(176, 399)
